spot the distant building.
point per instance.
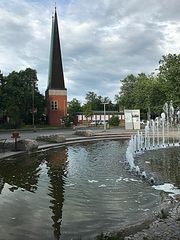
(98, 117)
(56, 93)
(132, 118)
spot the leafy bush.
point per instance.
(114, 121)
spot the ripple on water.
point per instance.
(74, 191)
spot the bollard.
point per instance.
(15, 135)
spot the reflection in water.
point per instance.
(80, 190)
(164, 164)
(57, 163)
(23, 173)
(100, 195)
(1, 184)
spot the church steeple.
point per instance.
(56, 93)
(56, 76)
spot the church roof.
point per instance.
(56, 76)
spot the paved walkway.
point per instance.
(68, 133)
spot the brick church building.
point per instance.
(56, 93)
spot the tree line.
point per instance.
(18, 91)
(148, 93)
(145, 92)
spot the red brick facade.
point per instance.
(57, 106)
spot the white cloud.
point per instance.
(102, 41)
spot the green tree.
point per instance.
(143, 91)
(146, 94)
(74, 106)
(158, 96)
(17, 94)
(169, 76)
(126, 98)
(87, 110)
(2, 99)
(96, 102)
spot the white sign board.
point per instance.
(132, 119)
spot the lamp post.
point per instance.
(104, 115)
(33, 110)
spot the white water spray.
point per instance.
(145, 140)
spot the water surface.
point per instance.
(71, 192)
(163, 164)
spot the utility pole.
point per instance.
(104, 115)
(33, 110)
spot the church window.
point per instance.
(54, 105)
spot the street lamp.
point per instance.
(33, 110)
(104, 115)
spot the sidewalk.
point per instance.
(69, 134)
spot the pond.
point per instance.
(73, 192)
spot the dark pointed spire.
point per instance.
(56, 76)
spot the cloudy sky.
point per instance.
(102, 41)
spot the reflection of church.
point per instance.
(23, 173)
(56, 93)
(57, 163)
(1, 184)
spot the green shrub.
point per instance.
(114, 121)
